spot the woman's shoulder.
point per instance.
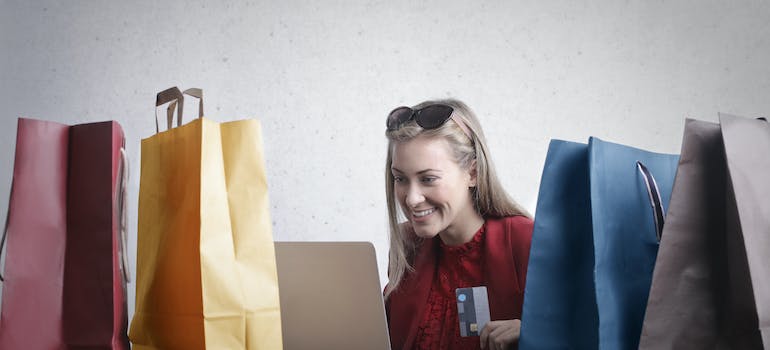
(514, 223)
(511, 233)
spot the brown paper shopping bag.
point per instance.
(206, 274)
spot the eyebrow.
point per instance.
(419, 172)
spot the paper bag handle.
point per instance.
(653, 194)
(176, 98)
(197, 93)
(5, 233)
(121, 216)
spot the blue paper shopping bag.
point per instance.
(560, 298)
(597, 225)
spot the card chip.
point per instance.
(474, 327)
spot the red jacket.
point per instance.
(506, 249)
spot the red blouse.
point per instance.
(499, 254)
(458, 267)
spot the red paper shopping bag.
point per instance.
(64, 276)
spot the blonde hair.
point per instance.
(489, 197)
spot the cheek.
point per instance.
(397, 192)
(400, 194)
(442, 193)
(451, 195)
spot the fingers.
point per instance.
(500, 335)
(484, 336)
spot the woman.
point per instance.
(462, 230)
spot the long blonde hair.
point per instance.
(489, 197)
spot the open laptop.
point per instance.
(330, 296)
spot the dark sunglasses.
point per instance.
(428, 117)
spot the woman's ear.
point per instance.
(473, 174)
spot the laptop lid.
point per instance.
(330, 296)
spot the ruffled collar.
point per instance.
(466, 247)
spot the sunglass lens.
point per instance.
(433, 116)
(397, 117)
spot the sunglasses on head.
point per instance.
(428, 117)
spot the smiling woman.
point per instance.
(461, 230)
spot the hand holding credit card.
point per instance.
(472, 310)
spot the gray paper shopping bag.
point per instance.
(703, 294)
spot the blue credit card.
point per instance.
(472, 310)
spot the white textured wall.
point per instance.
(322, 75)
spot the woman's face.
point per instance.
(432, 190)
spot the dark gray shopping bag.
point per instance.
(711, 281)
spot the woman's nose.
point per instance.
(414, 196)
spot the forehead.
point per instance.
(422, 153)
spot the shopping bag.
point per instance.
(35, 238)
(560, 296)
(206, 273)
(705, 291)
(64, 276)
(597, 225)
(747, 142)
(96, 265)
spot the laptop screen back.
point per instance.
(330, 296)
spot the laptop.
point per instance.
(331, 296)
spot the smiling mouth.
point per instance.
(419, 214)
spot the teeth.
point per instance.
(420, 214)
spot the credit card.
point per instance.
(472, 310)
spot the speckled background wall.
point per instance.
(322, 75)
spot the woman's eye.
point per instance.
(429, 179)
(398, 179)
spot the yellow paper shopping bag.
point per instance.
(206, 274)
